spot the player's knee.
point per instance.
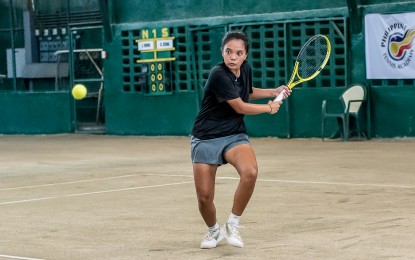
(204, 198)
(250, 174)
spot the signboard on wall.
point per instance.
(390, 46)
(156, 47)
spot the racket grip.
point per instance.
(280, 96)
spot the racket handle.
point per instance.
(280, 96)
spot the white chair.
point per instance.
(352, 100)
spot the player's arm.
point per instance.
(253, 109)
(259, 93)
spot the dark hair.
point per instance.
(238, 35)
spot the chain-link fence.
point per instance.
(39, 44)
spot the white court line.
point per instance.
(223, 178)
(19, 257)
(305, 182)
(66, 183)
(93, 193)
(342, 183)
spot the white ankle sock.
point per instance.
(234, 219)
(215, 227)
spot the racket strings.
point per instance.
(312, 57)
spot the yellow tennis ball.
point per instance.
(79, 91)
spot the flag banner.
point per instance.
(390, 46)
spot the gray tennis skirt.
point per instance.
(212, 151)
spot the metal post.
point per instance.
(103, 4)
(13, 47)
(70, 44)
(355, 16)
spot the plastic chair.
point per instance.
(352, 100)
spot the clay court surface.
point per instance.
(128, 197)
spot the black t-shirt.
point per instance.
(216, 117)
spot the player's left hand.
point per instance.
(281, 88)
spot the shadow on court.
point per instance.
(126, 197)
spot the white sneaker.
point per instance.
(212, 239)
(230, 232)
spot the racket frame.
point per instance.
(294, 74)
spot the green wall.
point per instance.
(393, 114)
(198, 26)
(35, 113)
(150, 11)
(168, 115)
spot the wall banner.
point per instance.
(390, 46)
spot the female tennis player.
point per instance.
(219, 136)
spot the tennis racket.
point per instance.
(311, 59)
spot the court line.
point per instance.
(19, 257)
(66, 183)
(190, 176)
(94, 193)
(377, 185)
(343, 183)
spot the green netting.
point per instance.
(275, 46)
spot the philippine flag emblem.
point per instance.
(399, 44)
(390, 46)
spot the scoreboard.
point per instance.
(156, 48)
